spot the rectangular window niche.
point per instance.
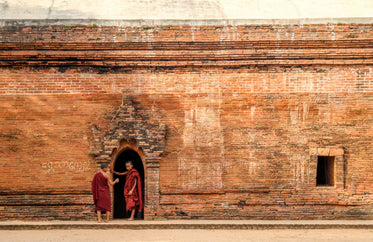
(325, 171)
(327, 167)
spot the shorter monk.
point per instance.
(101, 192)
(132, 191)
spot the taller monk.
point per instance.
(101, 192)
(132, 191)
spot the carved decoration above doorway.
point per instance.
(131, 123)
(132, 127)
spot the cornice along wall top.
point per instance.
(185, 46)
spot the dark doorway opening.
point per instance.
(120, 166)
(325, 171)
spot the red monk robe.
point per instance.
(101, 193)
(133, 201)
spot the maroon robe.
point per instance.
(101, 193)
(135, 200)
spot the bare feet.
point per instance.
(107, 220)
(100, 221)
(132, 217)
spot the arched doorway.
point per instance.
(120, 166)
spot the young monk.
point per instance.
(101, 192)
(132, 191)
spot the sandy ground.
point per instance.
(354, 235)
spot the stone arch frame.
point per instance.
(123, 146)
(134, 127)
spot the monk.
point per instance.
(101, 192)
(132, 191)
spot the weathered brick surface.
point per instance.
(230, 120)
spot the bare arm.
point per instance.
(118, 173)
(108, 178)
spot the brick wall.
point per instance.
(246, 111)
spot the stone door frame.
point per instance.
(151, 177)
(132, 127)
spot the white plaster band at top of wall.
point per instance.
(184, 12)
(166, 22)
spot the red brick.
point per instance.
(227, 127)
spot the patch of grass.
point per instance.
(351, 36)
(147, 27)
(69, 28)
(94, 39)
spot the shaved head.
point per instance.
(129, 165)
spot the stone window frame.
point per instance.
(339, 165)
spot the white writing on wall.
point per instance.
(54, 166)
